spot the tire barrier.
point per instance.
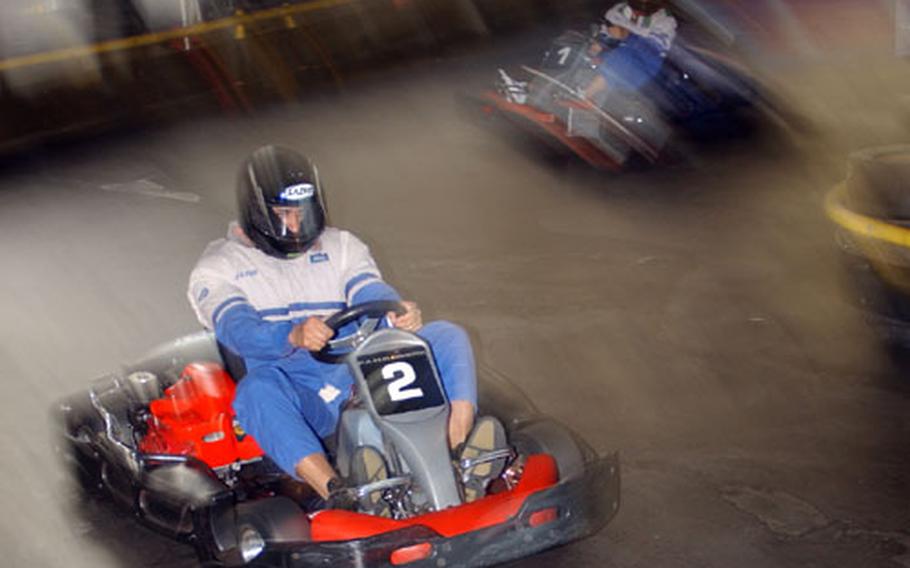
(871, 210)
(873, 204)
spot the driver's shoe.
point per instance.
(341, 497)
(487, 436)
(368, 466)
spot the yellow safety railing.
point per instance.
(237, 22)
(863, 225)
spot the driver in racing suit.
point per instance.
(646, 30)
(265, 289)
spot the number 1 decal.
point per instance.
(564, 54)
(401, 374)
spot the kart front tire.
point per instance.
(876, 184)
(550, 437)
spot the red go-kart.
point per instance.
(160, 437)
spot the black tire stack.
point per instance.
(878, 188)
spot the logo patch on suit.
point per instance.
(328, 393)
(318, 257)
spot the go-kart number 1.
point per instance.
(402, 375)
(564, 54)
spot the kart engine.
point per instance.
(194, 418)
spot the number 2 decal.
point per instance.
(564, 54)
(402, 375)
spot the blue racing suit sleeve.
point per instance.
(632, 64)
(376, 290)
(244, 332)
(651, 47)
(362, 279)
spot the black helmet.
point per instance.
(646, 6)
(279, 197)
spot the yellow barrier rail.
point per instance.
(863, 225)
(281, 12)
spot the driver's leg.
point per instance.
(455, 360)
(595, 87)
(613, 72)
(316, 471)
(288, 421)
(461, 420)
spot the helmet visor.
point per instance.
(296, 217)
(286, 221)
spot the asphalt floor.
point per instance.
(693, 317)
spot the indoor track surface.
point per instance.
(692, 317)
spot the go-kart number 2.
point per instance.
(402, 375)
(401, 382)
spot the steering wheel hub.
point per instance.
(369, 314)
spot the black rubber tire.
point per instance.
(72, 442)
(549, 437)
(86, 467)
(277, 519)
(878, 183)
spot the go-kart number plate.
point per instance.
(558, 56)
(401, 382)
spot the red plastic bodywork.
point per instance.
(194, 418)
(549, 124)
(539, 473)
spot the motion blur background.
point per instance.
(71, 65)
(694, 317)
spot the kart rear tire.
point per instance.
(549, 437)
(86, 469)
(74, 446)
(276, 519)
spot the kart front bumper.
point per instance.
(562, 513)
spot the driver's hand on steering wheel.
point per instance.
(618, 32)
(411, 320)
(311, 334)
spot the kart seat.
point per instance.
(233, 363)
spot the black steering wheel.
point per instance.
(372, 313)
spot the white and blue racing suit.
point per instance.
(640, 56)
(288, 401)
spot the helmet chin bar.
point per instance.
(299, 248)
(273, 246)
